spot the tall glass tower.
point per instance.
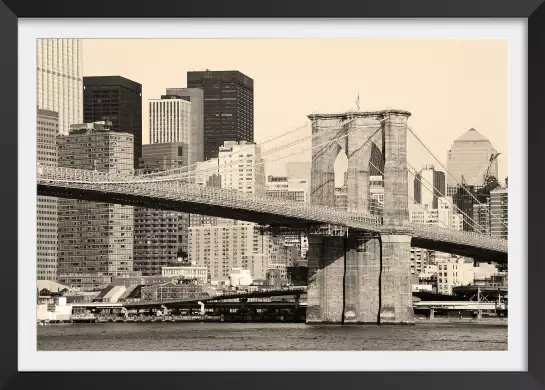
(59, 80)
(469, 158)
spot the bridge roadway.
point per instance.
(176, 196)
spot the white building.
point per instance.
(485, 271)
(444, 216)
(170, 121)
(237, 244)
(453, 271)
(240, 277)
(241, 167)
(469, 157)
(59, 80)
(499, 212)
(187, 272)
(429, 186)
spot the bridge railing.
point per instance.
(233, 198)
(101, 181)
(455, 236)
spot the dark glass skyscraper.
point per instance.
(228, 107)
(118, 100)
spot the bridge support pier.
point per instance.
(396, 289)
(359, 279)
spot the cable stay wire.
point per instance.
(442, 197)
(186, 168)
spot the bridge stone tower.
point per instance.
(361, 277)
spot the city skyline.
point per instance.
(453, 85)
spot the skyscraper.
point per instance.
(169, 120)
(196, 135)
(469, 157)
(118, 100)
(95, 238)
(59, 89)
(46, 211)
(59, 80)
(429, 185)
(228, 107)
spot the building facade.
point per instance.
(468, 159)
(228, 107)
(59, 80)
(118, 100)
(429, 186)
(221, 248)
(453, 271)
(187, 272)
(196, 136)
(47, 128)
(160, 236)
(170, 121)
(499, 220)
(95, 238)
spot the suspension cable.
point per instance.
(443, 197)
(446, 170)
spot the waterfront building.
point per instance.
(160, 236)
(59, 80)
(85, 282)
(228, 107)
(95, 238)
(468, 159)
(187, 272)
(290, 189)
(196, 134)
(47, 127)
(176, 289)
(118, 100)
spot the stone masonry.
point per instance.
(363, 277)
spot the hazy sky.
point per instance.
(449, 85)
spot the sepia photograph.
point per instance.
(317, 194)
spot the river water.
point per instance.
(272, 337)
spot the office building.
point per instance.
(95, 238)
(196, 135)
(429, 186)
(160, 236)
(228, 107)
(59, 80)
(117, 100)
(169, 120)
(468, 159)
(499, 212)
(47, 128)
(221, 248)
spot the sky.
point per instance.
(449, 85)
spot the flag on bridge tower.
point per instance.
(358, 101)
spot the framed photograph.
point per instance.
(291, 194)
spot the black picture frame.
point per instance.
(11, 10)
